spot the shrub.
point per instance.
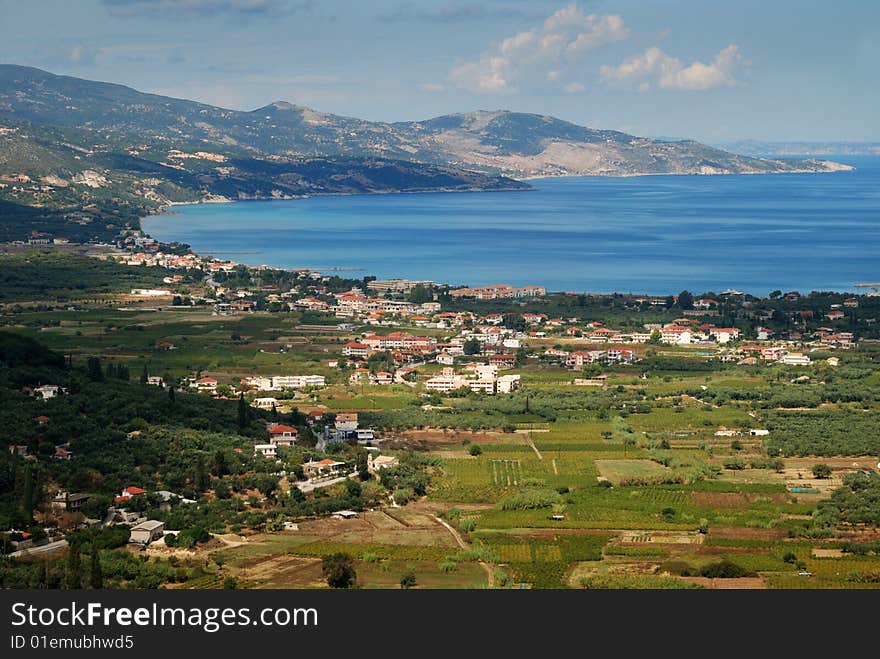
(530, 499)
(723, 569)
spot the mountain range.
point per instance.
(86, 142)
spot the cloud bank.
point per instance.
(654, 68)
(539, 54)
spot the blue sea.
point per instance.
(650, 234)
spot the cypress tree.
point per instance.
(27, 497)
(242, 413)
(96, 576)
(73, 575)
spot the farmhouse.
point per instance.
(318, 468)
(146, 532)
(69, 502)
(206, 384)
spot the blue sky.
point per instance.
(707, 69)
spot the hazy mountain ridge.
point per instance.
(800, 148)
(499, 142)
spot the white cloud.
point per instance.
(431, 87)
(654, 67)
(574, 88)
(558, 44)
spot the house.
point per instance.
(359, 374)
(621, 355)
(281, 431)
(266, 403)
(347, 422)
(344, 514)
(206, 384)
(62, 453)
(796, 359)
(325, 467)
(835, 314)
(503, 360)
(266, 450)
(155, 381)
(356, 349)
(446, 359)
(774, 354)
(382, 377)
(833, 361)
(507, 383)
(146, 532)
(579, 358)
(851, 303)
(725, 334)
(69, 502)
(382, 462)
(42, 419)
(47, 391)
(315, 416)
(128, 493)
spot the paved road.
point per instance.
(42, 549)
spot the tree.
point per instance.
(96, 576)
(220, 467)
(242, 413)
(408, 580)
(361, 463)
(144, 374)
(521, 356)
(822, 471)
(28, 490)
(775, 294)
(171, 396)
(201, 480)
(93, 369)
(685, 300)
(475, 450)
(338, 570)
(420, 294)
(73, 571)
(472, 347)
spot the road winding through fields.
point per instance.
(490, 574)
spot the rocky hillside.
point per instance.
(158, 129)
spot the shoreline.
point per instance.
(169, 209)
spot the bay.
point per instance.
(648, 234)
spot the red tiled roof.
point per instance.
(280, 429)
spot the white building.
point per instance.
(266, 450)
(508, 383)
(445, 383)
(796, 359)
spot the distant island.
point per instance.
(86, 160)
